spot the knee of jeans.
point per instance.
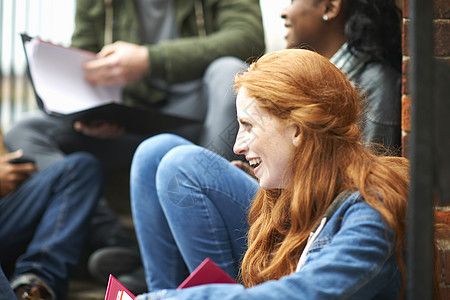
(182, 162)
(154, 144)
(156, 147)
(148, 154)
(178, 177)
(224, 66)
(86, 162)
(183, 156)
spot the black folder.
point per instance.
(135, 120)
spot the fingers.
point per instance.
(17, 167)
(12, 175)
(19, 176)
(106, 76)
(99, 129)
(101, 61)
(237, 163)
(108, 50)
(25, 168)
(244, 167)
(12, 181)
(105, 71)
(96, 64)
(11, 155)
(118, 64)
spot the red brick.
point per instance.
(442, 216)
(442, 38)
(405, 70)
(405, 38)
(445, 293)
(405, 144)
(441, 9)
(405, 9)
(405, 87)
(445, 257)
(406, 113)
(441, 33)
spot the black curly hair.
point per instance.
(374, 27)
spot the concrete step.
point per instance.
(85, 290)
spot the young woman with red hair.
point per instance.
(327, 220)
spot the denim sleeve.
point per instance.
(355, 263)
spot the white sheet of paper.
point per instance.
(122, 295)
(58, 78)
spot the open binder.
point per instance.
(57, 78)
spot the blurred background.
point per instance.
(53, 20)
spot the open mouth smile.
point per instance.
(254, 163)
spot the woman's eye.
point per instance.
(246, 125)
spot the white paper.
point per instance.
(122, 295)
(58, 79)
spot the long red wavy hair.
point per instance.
(303, 88)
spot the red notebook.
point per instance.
(207, 272)
(116, 291)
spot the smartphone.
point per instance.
(22, 160)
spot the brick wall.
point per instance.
(441, 29)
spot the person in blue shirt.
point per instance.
(326, 217)
(45, 216)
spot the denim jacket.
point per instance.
(353, 257)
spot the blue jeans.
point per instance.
(48, 215)
(5, 289)
(48, 139)
(182, 213)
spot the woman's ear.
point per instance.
(333, 8)
(296, 135)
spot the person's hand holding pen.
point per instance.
(118, 64)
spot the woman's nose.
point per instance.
(240, 146)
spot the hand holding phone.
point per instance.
(22, 160)
(14, 170)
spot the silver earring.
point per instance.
(325, 17)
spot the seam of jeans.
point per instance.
(61, 212)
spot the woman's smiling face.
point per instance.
(266, 143)
(304, 23)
